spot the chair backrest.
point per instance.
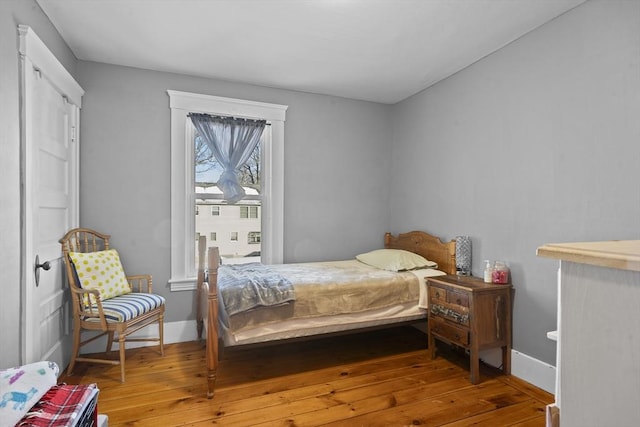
(84, 240)
(80, 240)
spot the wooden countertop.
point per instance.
(620, 254)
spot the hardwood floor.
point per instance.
(380, 378)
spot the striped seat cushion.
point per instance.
(126, 307)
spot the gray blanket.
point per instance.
(246, 286)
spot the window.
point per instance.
(253, 237)
(241, 217)
(233, 236)
(248, 212)
(183, 272)
(213, 236)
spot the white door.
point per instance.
(49, 123)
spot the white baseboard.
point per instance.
(534, 371)
(527, 368)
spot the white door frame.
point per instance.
(35, 56)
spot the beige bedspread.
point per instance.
(329, 288)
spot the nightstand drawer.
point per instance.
(458, 298)
(454, 313)
(441, 295)
(450, 304)
(455, 334)
(437, 295)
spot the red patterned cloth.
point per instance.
(63, 405)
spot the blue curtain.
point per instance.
(231, 140)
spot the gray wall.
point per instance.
(537, 143)
(337, 164)
(12, 14)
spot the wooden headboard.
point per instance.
(426, 245)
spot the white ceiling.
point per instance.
(375, 50)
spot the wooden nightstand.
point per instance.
(469, 313)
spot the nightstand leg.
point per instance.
(474, 362)
(432, 346)
(506, 360)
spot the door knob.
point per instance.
(45, 266)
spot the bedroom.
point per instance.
(555, 110)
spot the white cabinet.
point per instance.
(598, 360)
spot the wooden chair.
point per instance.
(124, 314)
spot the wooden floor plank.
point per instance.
(339, 393)
(315, 384)
(410, 408)
(509, 415)
(381, 378)
(371, 400)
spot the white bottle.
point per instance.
(488, 271)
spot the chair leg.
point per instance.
(121, 341)
(161, 330)
(76, 348)
(109, 341)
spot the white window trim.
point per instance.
(183, 274)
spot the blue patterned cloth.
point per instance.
(22, 387)
(246, 286)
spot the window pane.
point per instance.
(235, 229)
(208, 169)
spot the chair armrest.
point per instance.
(141, 283)
(83, 295)
(86, 309)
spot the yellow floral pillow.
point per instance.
(101, 270)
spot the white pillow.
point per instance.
(395, 260)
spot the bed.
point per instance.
(312, 299)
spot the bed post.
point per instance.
(212, 320)
(202, 243)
